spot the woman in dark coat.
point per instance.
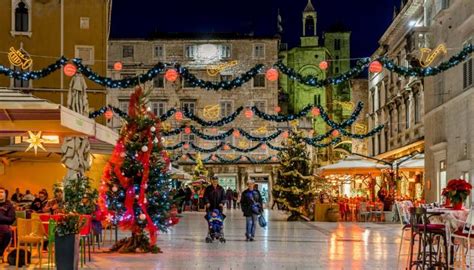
(252, 205)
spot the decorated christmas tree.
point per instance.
(199, 171)
(294, 186)
(135, 184)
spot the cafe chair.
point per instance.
(404, 216)
(363, 212)
(377, 213)
(29, 232)
(463, 236)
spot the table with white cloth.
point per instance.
(455, 218)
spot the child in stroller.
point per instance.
(215, 224)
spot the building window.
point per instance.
(407, 113)
(21, 18)
(399, 119)
(84, 22)
(261, 105)
(259, 51)
(189, 105)
(123, 105)
(259, 81)
(86, 53)
(441, 5)
(190, 51)
(226, 108)
(225, 51)
(379, 143)
(317, 99)
(337, 44)
(417, 108)
(467, 74)
(225, 77)
(372, 97)
(158, 51)
(158, 107)
(127, 51)
(17, 83)
(379, 98)
(159, 81)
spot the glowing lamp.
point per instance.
(226, 147)
(171, 75)
(272, 75)
(187, 130)
(375, 66)
(118, 66)
(248, 113)
(178, 116)
(70, 70)
(236, 133)
(109, 114)
(323, 65)
(277, 109)
(335, 133)
(315, 111)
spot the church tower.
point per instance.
(309, 38)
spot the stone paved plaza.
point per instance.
(282, 245)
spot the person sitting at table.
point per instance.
(28, 196)
(17, 196)
(7, 217)
(55, 205)
(39, 203)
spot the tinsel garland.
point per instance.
(209, 150)
(250, 137)
(323, 145)
(33, 75)
(223, 85)
(276, 148)
(282, 118)
(238, 159)
(102, 110)
(219, 123)
(174, 147)
(219, 137)
(245, 150)
(168, 114)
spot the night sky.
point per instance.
(367, 19)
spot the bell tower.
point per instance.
(309, 38)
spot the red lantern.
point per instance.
(109, 114)
(70, 70)
(249, 113)
(375, 66)
(118, 66)
(236, 133)
(274, 159)
(178, 116)
(264, 146)
(323, 65)
(277, 109)
(171, 75)
(187, 130)
(335, 133)
(272, 75)
(315, 111)
(186, 146)
(285, 134)
(226, 147)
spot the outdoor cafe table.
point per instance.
(448, 215)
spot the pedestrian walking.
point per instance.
(252, 206)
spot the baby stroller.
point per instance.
(215, 224)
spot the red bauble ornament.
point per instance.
(315, 111)
(70, 70)
(186, 146)
(272, 75)
(277, 109)
(335, 133)
(263, 146)
(171, 75)
(109, 114)
(249, 113)
(214, 157)
(178, 116)
(226, 147)
(187, 130)
(375, 67)
(323, 65)
(285, 134)
(236, 133)
(118, 66)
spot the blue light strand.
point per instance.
(33, 75)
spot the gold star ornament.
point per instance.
(35, 142)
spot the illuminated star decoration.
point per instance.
(35, 142)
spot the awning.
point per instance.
(179, 174)
(21, 112)
(353, 165)
(416, 163)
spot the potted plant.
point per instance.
(67, 241)
(457, 191)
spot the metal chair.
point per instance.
(464, 235)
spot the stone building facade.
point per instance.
(199, 54)
(360, 91)
(448, 105)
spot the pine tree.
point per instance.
(294, 185)
(79, 196)
(199, 170)
(135, 186)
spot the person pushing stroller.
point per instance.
(214, 197)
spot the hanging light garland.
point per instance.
(33, 75)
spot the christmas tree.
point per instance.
(294, 186)
(199, 170)
(79, 196)
(135, 185)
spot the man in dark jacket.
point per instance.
(229, 195)
(214, 196)
(252, 206)
(7, 217)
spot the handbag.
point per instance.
(262, 221)
(256, 208)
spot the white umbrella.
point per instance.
(415, 163)
(353, 165)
